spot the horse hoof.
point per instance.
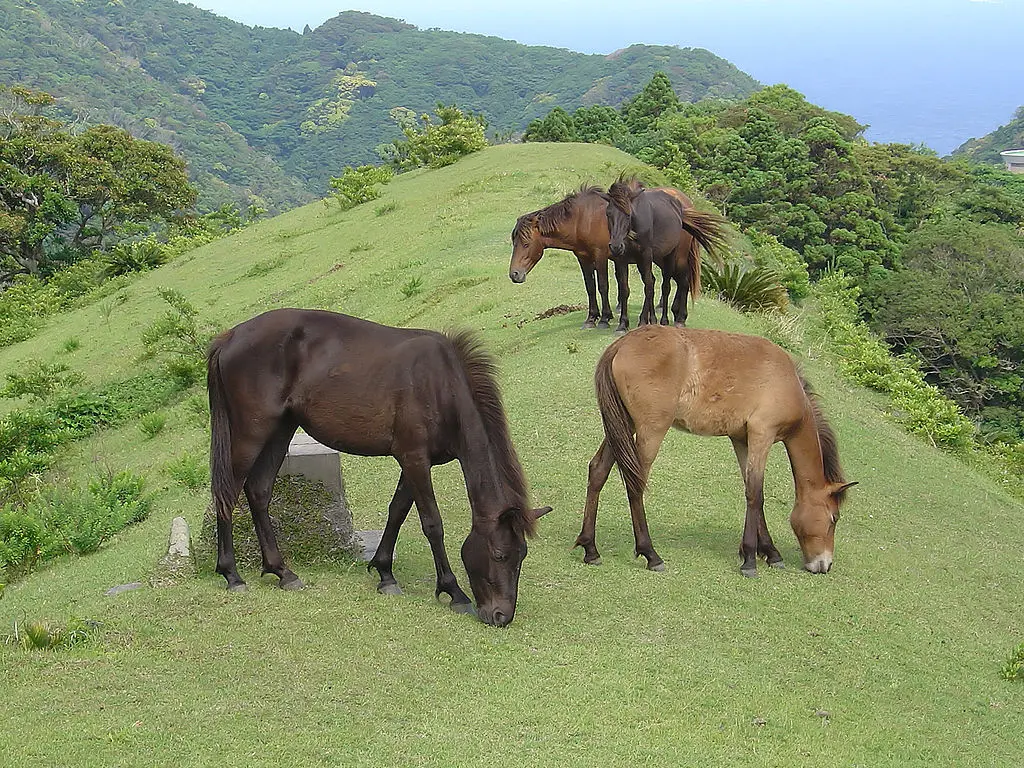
(778, 564)
(659, 567)
(680, 325)
(292, 585)
(750, 573)
(588, 325)
(465, 609)
(621, 331)
(595, 561)
(603, 325)
(240, 587)
(389, 589)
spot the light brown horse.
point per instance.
(715, 383)
(579, 223)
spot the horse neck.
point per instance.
(571, 234)
(804, 451)
(488, 493)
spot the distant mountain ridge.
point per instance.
(274, 113)
(987, 148)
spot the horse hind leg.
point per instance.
(259, 485)
(384, 558)
(649, 437)
(597, 475)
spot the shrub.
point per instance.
(436, 144)
(179, 336)
(138, 256)
(785, 262)
(359, 185)
(37, 635)
(865, 359)
(152, 424)
(189, 470)
(24, 305)
(746, 288)
(39, 381)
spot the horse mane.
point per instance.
(546, 220)
(827, 439)
(481, 373)
(622, 192)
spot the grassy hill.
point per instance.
(890, 660)
(276, 113)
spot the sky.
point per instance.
(918, 71)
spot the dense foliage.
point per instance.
(987, 148)
(271, 115)
(934, 247)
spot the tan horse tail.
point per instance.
(222, 480)
(618, 424)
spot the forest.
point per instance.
(268, 116)
(934, 247)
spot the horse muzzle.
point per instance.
(517, 276)
(820, 564)
(495, 617)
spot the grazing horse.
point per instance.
(579, 223)
(425, 398)
(659, 226)
(715, 383)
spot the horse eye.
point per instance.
(499, 555)
(835, 518)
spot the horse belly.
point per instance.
(709, 419)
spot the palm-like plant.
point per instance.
(748, 288)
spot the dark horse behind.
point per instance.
(425, 398)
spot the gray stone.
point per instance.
(179, 562)
(369, 541)
(124, 588)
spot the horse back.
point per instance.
(352, 384)
(708, 382)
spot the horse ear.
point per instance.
(539, 513)
(838, 489)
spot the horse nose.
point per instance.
(821, 564)
(496, 618)
(517, 276)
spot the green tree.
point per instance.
(656, 99)
(556, 125)
(436, 144)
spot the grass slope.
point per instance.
(900, 644)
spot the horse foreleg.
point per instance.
(758, 447)
(383, 559)
(602, 286)
(259, 484)
(765, 545)
(646, 266)
(589, 280)
(597, 476)
(622, 280)
(417, 472)
(666, 288)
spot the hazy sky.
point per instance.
(938, 71)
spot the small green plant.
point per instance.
(40, 636)
(386, 208)
(189, 470)
(359, 185)
(746, 288)
(266, 266)
(139, 256)
(152, 424)
(362, 246)
(412, 287)
(180, 337)
(1013, 668)
(70, 345)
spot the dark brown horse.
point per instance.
(423, 397)
(660, 226)
(715, 383)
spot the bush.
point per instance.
(785, 262)
(39, 381)
(139, 256)
(190, 471)
(746, 288)
(865, 359)
(359, 185)
(438, 144)
(37, 635)
(152, 424)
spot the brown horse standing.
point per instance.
(715, 383)
(423, 397)
(577, 223)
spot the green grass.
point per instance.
(901, 644)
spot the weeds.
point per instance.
(1013, 668)
(383, 210)
(152, 424)
(39, 636)
(189, 470)
(412, 287)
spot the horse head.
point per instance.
(493, 555)
(527, 247)
(620, 198)
(814, 520)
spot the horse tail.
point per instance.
(618, 424)
(222, 478)
(708, 229)
(693, 269)
(827, 440)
